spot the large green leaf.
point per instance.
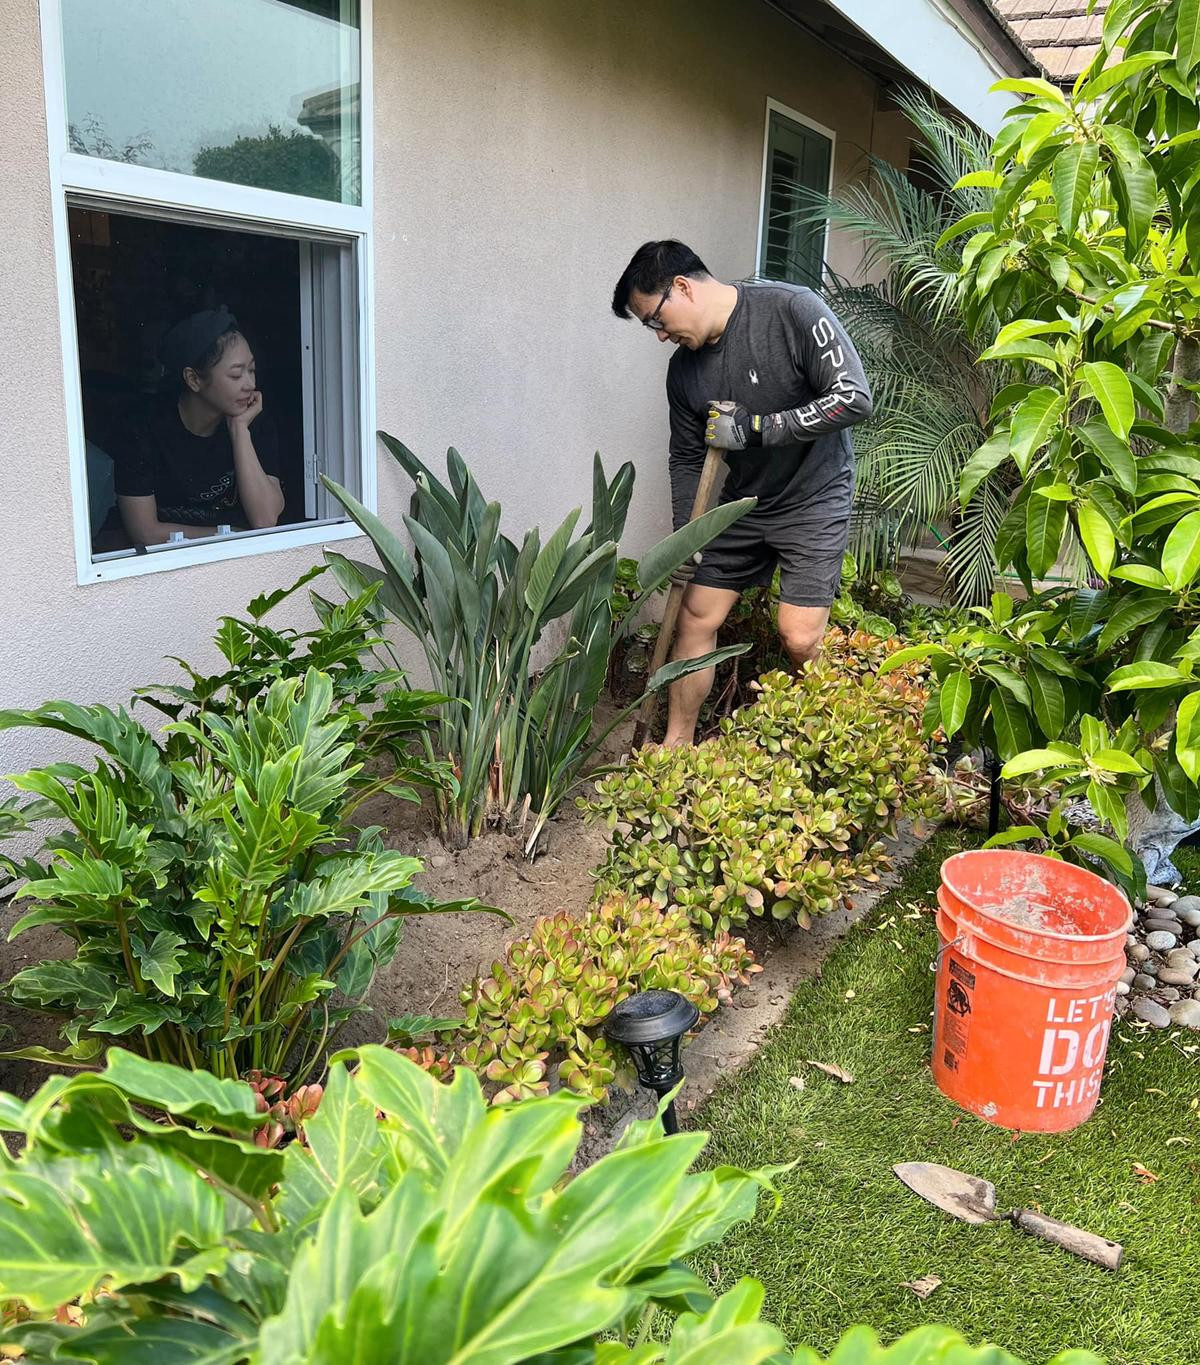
(661, 560)
(1098, 538)
(955, 698)
(1110, 387)
(1045, 521)
(1112, 450)
(1033, 423)
(124, 1217)
(1181, 553)
(990, 456)
(1074, 167)
(194, 1095)
(1049, 701)
(1142, 675)
(1187, 36)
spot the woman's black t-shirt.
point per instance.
(191, 478)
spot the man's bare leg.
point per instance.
(701, 614)
(801, 630)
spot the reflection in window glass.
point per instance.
(161, 412)
(255, 92)
(797, 159)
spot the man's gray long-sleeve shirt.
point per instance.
(785, 354)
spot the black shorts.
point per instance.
(806, 541)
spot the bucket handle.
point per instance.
(943, 950)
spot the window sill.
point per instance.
(217, 549)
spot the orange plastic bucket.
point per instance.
(1031, 952)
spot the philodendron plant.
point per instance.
(408, 1224)
(224, 910)
(478, 605)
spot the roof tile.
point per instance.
(1061, 34)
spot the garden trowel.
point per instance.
(974, 1201)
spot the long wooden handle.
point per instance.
(1099, 1250)
(714, 461)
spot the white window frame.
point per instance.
(130, 189)
(777, 107)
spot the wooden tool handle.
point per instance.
(1086, 1244)
(714, 460)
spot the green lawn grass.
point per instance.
(848, 1233)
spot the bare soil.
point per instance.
(440, 954)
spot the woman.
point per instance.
(207, 456)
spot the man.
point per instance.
(765, 372)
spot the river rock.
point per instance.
(1170, 976)
(1160, 940)
(1187, 909)
(1128, 974)
(1142, 982)
(1139, 953)
(1122, 988)
(1186, 1013)
(1161, 895)
(1151, 1012)
(1182, 960)
(1161, 925)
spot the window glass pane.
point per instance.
(798, 158)
(160, 450)
(257, 92)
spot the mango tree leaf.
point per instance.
(1010, 722)
(955, 698)
(1129, 615)
(1049, 702)
(1033, 423)
(1074, 168)
(1038, 760)
(991, 455)
(1045, 521)
(1101, 846)
(1110, 387)
(1187, 36)
(1098, 538)
(1132, 677)
(1181, 553)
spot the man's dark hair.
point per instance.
(653, 267)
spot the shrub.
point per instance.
(224, 912)
(408, 1224)
(411, 1224)
(543, 1007)
(780, 811)
(479, 606)
(1090, 259)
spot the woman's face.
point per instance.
(230, 384)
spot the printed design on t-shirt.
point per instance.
(220, 495)
(754, 376)
(832, 404)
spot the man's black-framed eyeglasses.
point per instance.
(654, 320)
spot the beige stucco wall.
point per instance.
(523, 149)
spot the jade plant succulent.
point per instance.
(785, 808)
(542, 1008)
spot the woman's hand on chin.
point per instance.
(248, 413)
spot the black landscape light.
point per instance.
(651, 1024)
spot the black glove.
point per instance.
(731, 426)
